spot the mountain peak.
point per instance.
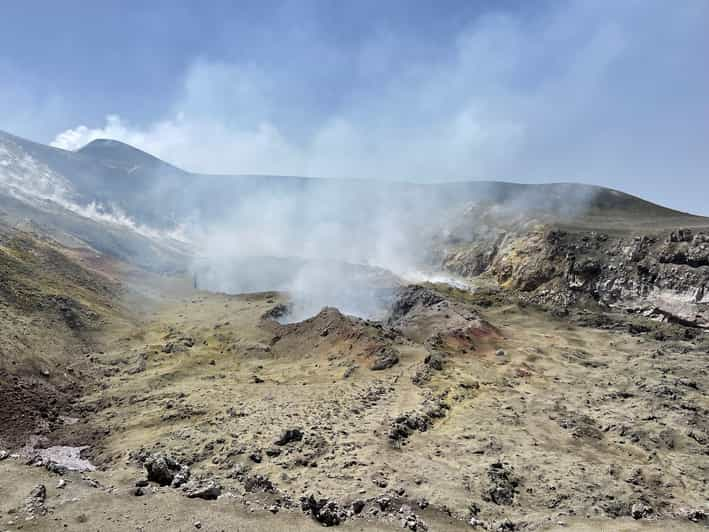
(109, 148)
(115, 153)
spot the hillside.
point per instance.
(54, 312)
(156, 193)
(546, 370)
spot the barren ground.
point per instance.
(580, 423)
(462, 407)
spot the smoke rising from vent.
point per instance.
(332, 244)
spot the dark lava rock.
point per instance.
(502, 484)
(277, 312)
(166, 471)
(289, 435)
(39, 493)
(434, 361)
(405, 424)
(413, 523)
(273, 451)
(640, 511)
(174, 347)
(256, 483)
(55, 468)
(422, 375)
(384, 502)
(696, 515)
(410, 296)
(506, 526)
(256, 457)
(322, 510)
(202, 489)
(34, 504)
(385, 358)
(357, 506)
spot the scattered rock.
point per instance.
(322, 510)
(202, 489)
(34, 503)
(502, 484)
(273, 451)
(277, 312)
(383, 502)
(289, 435)
(385, 358)
(257, 483)
(414, 523)
(140, 364)
(256, 457)
(39, 493)
(696, 516)
(434, 361)
(422, 375)
(406, 424)
(174, 347)
(640, 511)
(166, 471)
(357, 506)
(505, 526)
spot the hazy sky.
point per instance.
(606, 92)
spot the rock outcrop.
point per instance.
(661, 274)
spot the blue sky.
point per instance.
(605, 92)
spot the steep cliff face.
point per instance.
(662, 273)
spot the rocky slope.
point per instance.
(495, 417)
(650, 263)
(132, 399)
(52, 313)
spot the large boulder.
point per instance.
(202, 489)
(289, 435)
(166, 471)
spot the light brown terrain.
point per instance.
(462, 409)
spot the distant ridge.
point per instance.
(157, 193)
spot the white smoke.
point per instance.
(334, 243)
(29, 180)
(560, 97)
